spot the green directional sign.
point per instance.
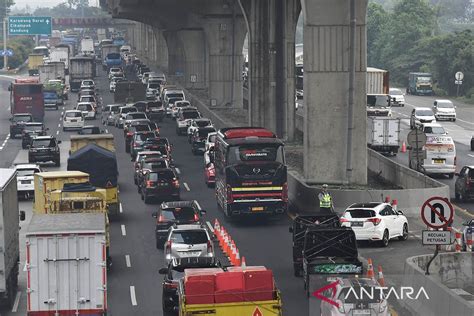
(29, 25)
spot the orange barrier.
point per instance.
(370, 269)
(380, 276)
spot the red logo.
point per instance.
(257, 312)
(332, 286)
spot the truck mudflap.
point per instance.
(113, 209)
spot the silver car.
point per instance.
(25, 179)
(188, 241)
(109, 113)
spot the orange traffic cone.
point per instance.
(370, 269)
(380, 276)
(404, 148)
(243, 263)
(237, 258)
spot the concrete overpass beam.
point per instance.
(327, 128)
(161, 49)
(194, 74)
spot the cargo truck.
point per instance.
(108, 49)
(26, 96)
(87, 46)
(51, 71)
(81, 68)
(377, 81)
(129, 91)
(9, 237)
(103, 140)
(34, 61)
(62, 52)
(101, 34)
(420, 83)
(383, 134)
(66, 265)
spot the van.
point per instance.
(439, 156)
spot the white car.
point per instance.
(25, 179)
(210, 140)
(73, 119)
(184, 118)
(188, 241)
(152, 89)
(421, 115)
(433, 129)
(196, 124)
(176, 106)
(375, 222)
(123, 111)
(397, 96)
(87, 84)
(87, 109)
(109, 113)
(115, 72)
(444, 110)
(172, 94)
(89, 99)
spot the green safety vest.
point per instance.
(325, 202)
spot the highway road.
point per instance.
(134, 285)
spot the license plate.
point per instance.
(163, 184)
(25, 181)
(191, 253)
(257, 209)
(357, 224)
(438, 161)
(361, 312)
(73, 121)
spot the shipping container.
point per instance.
(103, 140)
(46, 182)
(66, 265)
(377, 81)
(51, 71)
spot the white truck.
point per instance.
(383, 134)
(60, 54)
(9, 236)
(51, 71)
(87, 46)
(101, 34)
(66, 264)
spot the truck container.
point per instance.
(66, 265)
(377, 81)
(46, 182)
(87, 46)
(51, 71)
(383, 134)
(9, 237)
(81, 68)
(101, 34)
(34, 61)
(129, 91)
(107, 49)
(62, 52)
(420, 83)
(53, 41)
(26, 96)
(103, 140)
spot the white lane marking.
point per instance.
(57, 132)
(62, 113)
(186, 186)
(59, 125)
(1, 147)
(133, 296)
(471, 155)
(199, 205)
(17, 302)
(458, 119)
(106, 131)
(25, 267)
(63, 108)
(120, 208)
(124, 231)
(177, 170)
(127, 261)
(8, 136)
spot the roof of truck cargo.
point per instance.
(6, 174)
(47, 224)
(62, 174)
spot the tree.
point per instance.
(377, 18)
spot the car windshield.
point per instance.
(175, 95)
(22, 118)
(129, 109)
(445, 105)
(157, 165)
(87, 99)
(115, 70)
(143, 136)
(153, 85)
(162, 175)
(136, 116)
(84, 107)
(43, 143)
(139, 128)
(204, 132)
(434, 130)
(182, 104)
(190, 115)
(424, 113)
(88, 83)
(203, 123)
(73, 114)
(212, 138)
(361, 213)
(90, 130)
(377, 100)
(395, 92)
(185, 214)
(113, 109)
(26, 172)
(189, 237)
(261, 152)
(113, 56)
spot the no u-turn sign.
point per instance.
(437, 212)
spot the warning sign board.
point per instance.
(436, 237)
(437, 212)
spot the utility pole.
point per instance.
(5, 57)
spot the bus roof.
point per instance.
(27, 80)
(244, 132)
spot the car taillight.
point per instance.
(170, 285)
(212, 172)
(129, 133)
(176, 183)
(230, 198)
(209, 247)
(284, 192)
(135, 145)
(168, 247)
(343, 220)
(468, 181)
(196, 218)
(161, 219)
(150, 184)
(374, 221)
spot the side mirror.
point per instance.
(163, 271)
(22, 216)
(399, 212)
(202, 212)
(154, 214)
(290, 229)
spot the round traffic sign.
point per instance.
(459, 76)
(437, 212)
(416, 138)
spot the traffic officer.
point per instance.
(325, 201)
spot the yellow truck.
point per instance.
(103, 140)
(46, 182)
(34, 61)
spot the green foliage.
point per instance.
(21, 47)
(71, 9)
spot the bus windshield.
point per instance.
(28, 89)
(255, 152)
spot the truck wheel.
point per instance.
(456, 196)
(451, 175)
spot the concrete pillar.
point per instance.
(175, 53)
(161, 49)
(326, 93)
(195, 57)
(225, 38)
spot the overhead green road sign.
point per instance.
(29, 25)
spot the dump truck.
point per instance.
(34, 61)
(66, 264)
(52, 71)
(237, 291)
(129, 91)
(101, 165)
(420, 83)
(9, 237)
(61, 53)
(46, 182)
(80, 68)
(103, 140)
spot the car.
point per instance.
(209, 156)
(155, 111)
(210, 140)
(433, 129)
(375, 222)
(198, 139)
(17, 123)
(44, 149)
(134, 116)
(173, 111)
(113, 83)
(183, 120)
(86, 92)
(32, 129)
(123, 111)
(89, 99)
(90, 130)
(141, 71)
(139, 138)
(161, 184)
(152, 90)
(467, 231)
(141, 156)
(87, 84)
(109, 113)
(188, 241)
(347, 293)
(88, 110)
(174, 272)
(115, 72)
(136, 122)
(145, 77)
(472, 143)
(196, 124)
(131, 130)
(397, 96)
(464, 185)
(444, 110)
(25, 179)
(73, 119)
(421, 115)
(172, 94)
(210, 174)
(141, 106)
(146, 165)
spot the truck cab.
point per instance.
(379, 105)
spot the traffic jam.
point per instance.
(113, 105)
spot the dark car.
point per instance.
(141, 106)
(18, 122)
(147, 165)
(138, 140)
(464, 186)
(43, 149)
(155, 111)
(180, 213)
(155, 144)
(162, 184)
(31, 130)
(175, 272)
(198, 139)
(90, 130)
(472, 143)
(131, 130)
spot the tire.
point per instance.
(146, 199)
(404, 233)
(385, 239)
(451, 175)
(454, 120)
(64, 129)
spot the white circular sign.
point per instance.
(437, 212)
(459, 76)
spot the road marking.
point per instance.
(124, 231)
(458, 119)
(106, 131)
(59, 125)
(1, 147)
(127, 261)
(17, 302)
(57, 132)
(132, 295)
(8, 136)
(120, 208)
(177, 170)
(25, 267)
(62, 113)
(186, 186)
(199, 206)
(471, 155)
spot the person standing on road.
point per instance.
(325, 201)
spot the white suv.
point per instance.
(375, 221)
(397, 96)
(73, 119)
(188, 241)
(444, 110)
(421, 115)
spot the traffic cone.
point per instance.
(458, 236)
(370, 269)
(449, 247)
(243, 263)
(394, 204)
(404, 148)
(469, 243)
(237, 258)
(217, 227)
(380, 276)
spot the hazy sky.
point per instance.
(44, 3)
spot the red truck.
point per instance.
(26, 96)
